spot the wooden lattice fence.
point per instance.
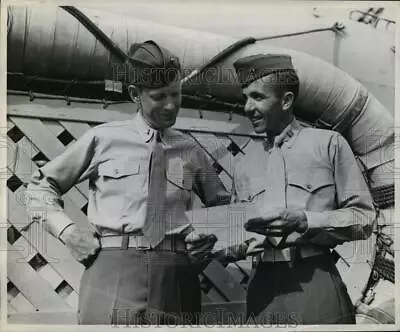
(43, 278)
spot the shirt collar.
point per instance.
(289, 134)
(147, 132)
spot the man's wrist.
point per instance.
(303, 224)
(66, 230)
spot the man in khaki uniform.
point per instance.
(141, 178)
(311, 197)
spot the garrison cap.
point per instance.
(251, 68)
(152, 66)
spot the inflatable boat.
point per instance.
(346, 81)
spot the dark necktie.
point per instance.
(154, 228)
(275, 186)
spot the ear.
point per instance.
(133, 92)
(287, 100)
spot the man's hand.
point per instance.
(199, 246)
(82, 244)
(278, 222)
(235, 252)
(257, 246)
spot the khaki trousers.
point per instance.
(309, 291)
(127, 287)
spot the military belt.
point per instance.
(290, 254)
(139, 242)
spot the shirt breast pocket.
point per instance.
(121, 176)
(250, 189)
(314, 191)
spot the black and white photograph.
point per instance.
(199, 164)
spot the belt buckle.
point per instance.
(126, 239)
(141, 247)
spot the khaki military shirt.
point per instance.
(322, 178)
(115, 158)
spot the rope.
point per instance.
(53, 80)
(384, 196)
(97, 32)
(208, 103)
(220, 56)
(385, 268)
(210, 155)
(218, 104)
(201, 100)
(336, 27)
(34, 95)
(382, 267)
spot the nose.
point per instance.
(171, 103)
(249, 107)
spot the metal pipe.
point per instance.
(336, 27)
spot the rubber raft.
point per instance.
(74, 62)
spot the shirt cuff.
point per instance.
(57, 221)
(315, 220)
(184, 230)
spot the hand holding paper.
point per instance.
(199, 246)
(278, 222)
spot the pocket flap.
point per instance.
(249, 194)
(119, 168)
(311, 181)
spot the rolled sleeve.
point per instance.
(50, 182)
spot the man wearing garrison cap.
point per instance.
(310, 194)
(142, 175)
